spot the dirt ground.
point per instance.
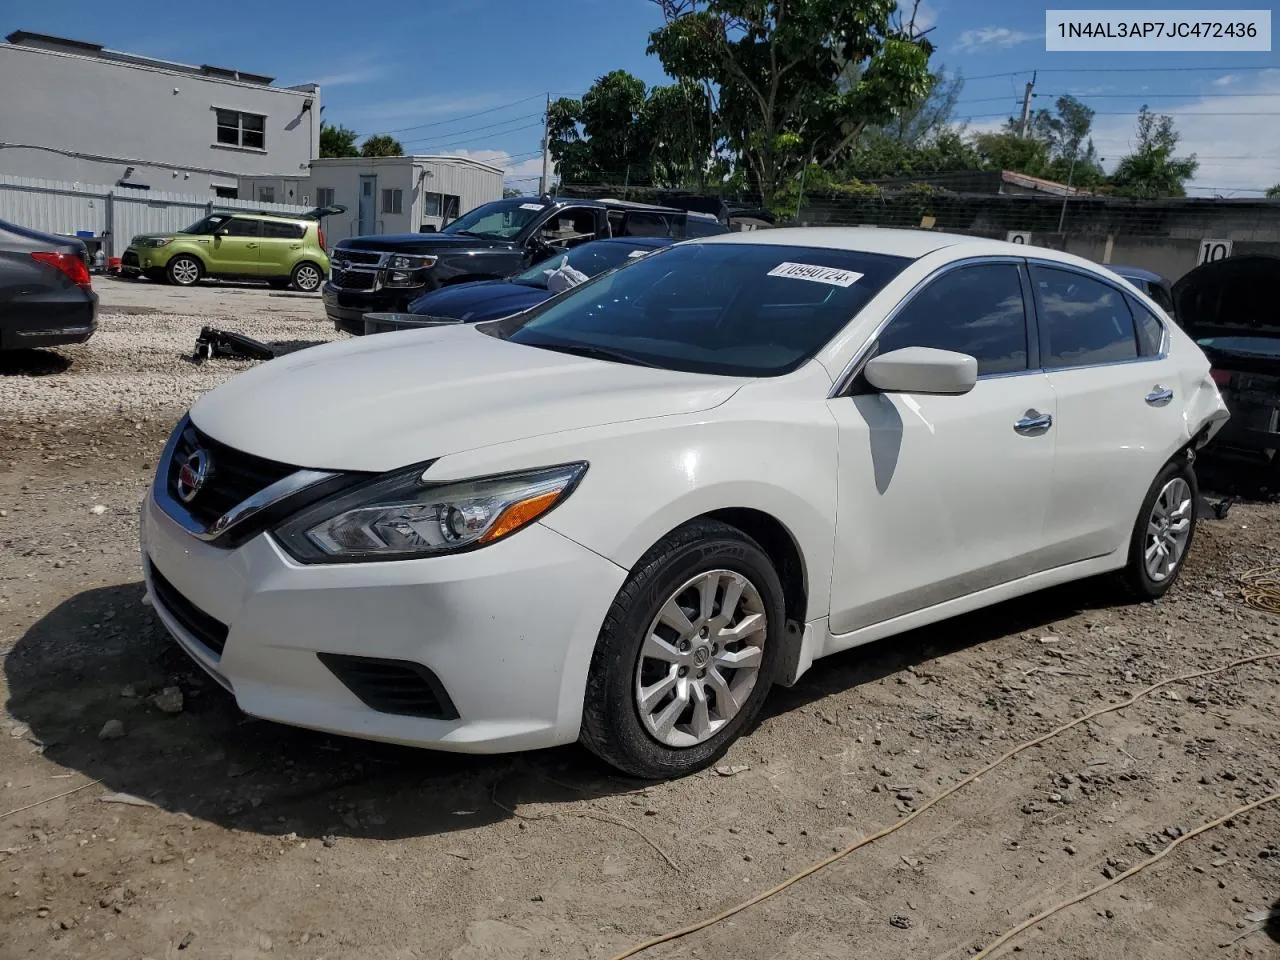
(249, 840)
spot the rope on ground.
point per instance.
(1260, 587)
(880, 834)
(58, 796)
(1079, 898)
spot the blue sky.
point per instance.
(470, 75)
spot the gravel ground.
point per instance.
(141, 815)
(137, 363)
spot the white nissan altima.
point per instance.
(625, 514)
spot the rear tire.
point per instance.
(1163, 533)
(306, 277)
(184, 271)
(687, 653)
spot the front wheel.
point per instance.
(1163, 532)
(306, 277)
(687, 653)
(184, 271)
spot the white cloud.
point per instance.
(428, 106)
(1227, 80)
(516, 174)
(347, 78)
(1238, 151)
(926, 16)
(1002, 37)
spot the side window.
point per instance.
(1150, 329)
(239, 227)
(1082, 321)
(976, 310)
(645, 224)
(568, 228)
(273, 230)
(1161, 296)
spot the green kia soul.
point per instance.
(234, 245)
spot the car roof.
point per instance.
(606, 203)
(912, 244)
(262, 215)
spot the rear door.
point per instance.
(235, 248)
(1118, 409)
(279, 247)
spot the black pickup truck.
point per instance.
(385, 273)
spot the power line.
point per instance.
(463, 143)
(465, 116)
(488, 126)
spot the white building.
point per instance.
(385, 194)
(78, 112)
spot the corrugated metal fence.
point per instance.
(117, 215)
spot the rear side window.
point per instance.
(239, 227)
(1150, 329)
(274, 230)
(976, 310)
(1161, 296)
(1082, 321)
(645, 224)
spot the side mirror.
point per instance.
(922, 370)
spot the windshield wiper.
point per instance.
(594, 353)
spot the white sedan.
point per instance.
(622, 516)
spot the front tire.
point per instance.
(1163, 532)
(306, 277)
(184, 271)
(687, 653)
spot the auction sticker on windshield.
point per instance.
(809, 271)
(530, 206)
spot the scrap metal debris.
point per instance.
(235, 346)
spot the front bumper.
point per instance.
(346, 308)
(507, 630)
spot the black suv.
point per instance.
(496, 240)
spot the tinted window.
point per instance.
(1150, 329)
(237, 227)
(1161, 296)
(1082, 321)
(644, 224)
(976, 310)
(590, 258)
(751, 310)
(282, 231)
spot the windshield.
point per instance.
(500, 220)
(207, 225)
(733, 309)
(590, 258)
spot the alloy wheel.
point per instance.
(701, 658)
(1168, 530)
(307, 277)
(185, 272)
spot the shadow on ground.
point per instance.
(32, 363)
(102, 654)
(1272, 926)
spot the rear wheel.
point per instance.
(687, 653)
(184, 271)
(1163, 532)
(306, 277)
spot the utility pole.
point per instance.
(1070, 173)
(1026, 106)
(544, 183)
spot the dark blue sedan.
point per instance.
(492, 299)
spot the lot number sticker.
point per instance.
(530, 206)
(1017, 236)
(1211, 250)
(808, 271)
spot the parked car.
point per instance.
(1228, 307)
(493, 299)
(46, 297)
(236, 245)
(623, 515)
(384, 274)
(1156, 287)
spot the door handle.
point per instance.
(250, 246)
(1159, 395)
(1034, 422)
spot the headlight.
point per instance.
(156, 241)
(402, 261)
(403, 515)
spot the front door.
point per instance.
(943, 496)
(368, 205)
(1117, 403)
(236, 247)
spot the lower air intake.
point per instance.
(392, 686)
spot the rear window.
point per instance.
(750, 310)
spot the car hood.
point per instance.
(473, 302)
(378, 403)
(421, 243)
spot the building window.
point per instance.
(431, 204)
(391, 200)
(236, 129)
(226, 193)
(451, 205)
(266, 194)
(324, 196)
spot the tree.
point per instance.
(1072, 155)
(1008, 151)
(1273, 193)
(381, 145)
(931, 114)
(612, 118)
(794, 81)
(337, 141)
(681, 129)
(880, 155)
(1152, 171)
